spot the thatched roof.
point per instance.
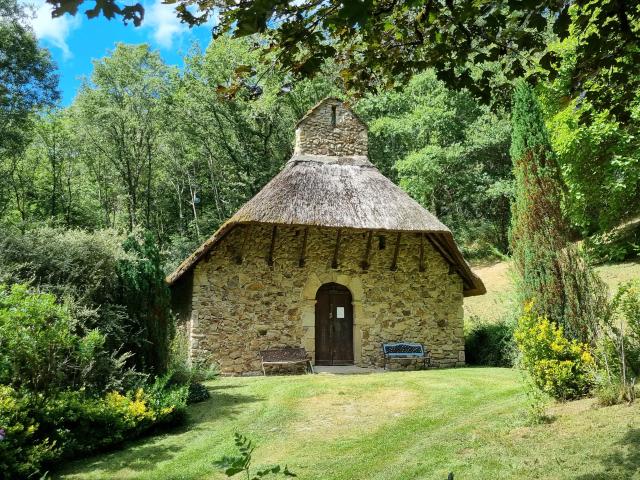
(345, 192)
(340, 192)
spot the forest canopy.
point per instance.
(145, 145)
(480, 46)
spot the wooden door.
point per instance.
(334, 325)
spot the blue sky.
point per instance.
(75, 41)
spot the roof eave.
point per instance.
(190, 262)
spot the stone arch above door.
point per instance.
(308, 311)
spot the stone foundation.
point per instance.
(241, 304)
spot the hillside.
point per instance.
(498, 280)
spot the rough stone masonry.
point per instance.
(239, 310)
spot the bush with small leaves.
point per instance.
(197, 393)
(490, 343)
(558, 366)
(42, 430)
(618, 347)
(23, 448)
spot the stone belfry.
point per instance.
(331, 129)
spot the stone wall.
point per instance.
(317, 135)
(240, 309)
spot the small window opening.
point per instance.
(382, 242)
(333, 116)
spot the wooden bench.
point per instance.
(285, 356)
(405, 350)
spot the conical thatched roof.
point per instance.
(346, 192)
(342, 191)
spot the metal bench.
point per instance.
(285, 356)
(405, 350)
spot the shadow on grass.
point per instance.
(221, 404)
(623, 462)
(143, 454)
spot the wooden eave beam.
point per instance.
(421, 258)
(396, 251)
(365, 259)
(303, 249)
(239, 253)
(441, 250)
(455, 266)
(336, 250)
(274, 234)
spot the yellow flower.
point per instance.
(586, 357)
(556, 347)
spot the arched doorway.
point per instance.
(334, 325)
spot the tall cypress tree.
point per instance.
(551, 270)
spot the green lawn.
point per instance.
(402, 425)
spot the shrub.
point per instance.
(618, 347)
(490, 343)
(560, 367)
(611, 391)
(145, 295)
(537, 400)
(183, 370)
(197, 393)
(37, 342)
(22, 448)
(109, 282)
(43, 430)
(169, 400)
(40, 349)
(615, 246)
(61, 392)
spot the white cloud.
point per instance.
(166, 27)
(54, 31)
(162, 19)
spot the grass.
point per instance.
(401, 425)
(496, 303)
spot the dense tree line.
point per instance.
(145, 146)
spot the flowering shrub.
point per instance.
(40, 430)
(558, 366)
(133, 410)
(62, 393)
(22, 447)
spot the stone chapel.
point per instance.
(331, 256)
